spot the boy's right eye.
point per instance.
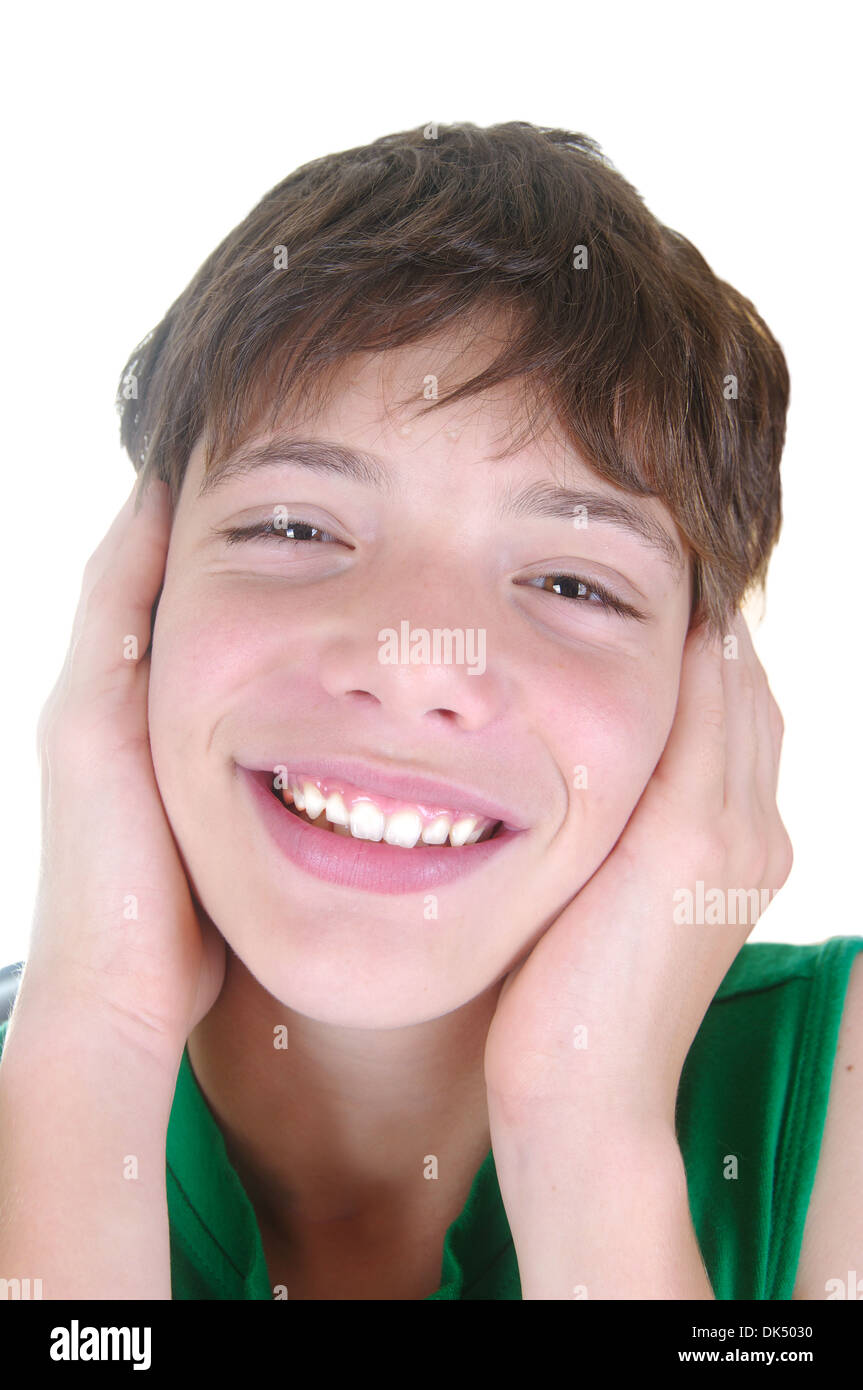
(234, 535)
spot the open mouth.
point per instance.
(322, 823)
(384, 834)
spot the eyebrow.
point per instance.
(538, 499)
(319, 455)
(542, 499)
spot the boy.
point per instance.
(368, 883)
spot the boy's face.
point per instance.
(267, 652)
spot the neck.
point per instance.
(341, 1123)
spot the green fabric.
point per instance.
(754, 1089)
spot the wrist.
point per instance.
(84, 1118)
(594, 1145)
(56, 984)
(589, 1104)
(54, 1032)
(601, 1214)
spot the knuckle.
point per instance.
(88, 729)
(761, 859)
(784, 854)
(709, 847)
(94, 566)
(713, 715)
(50, 715)
(44, 721)
(63, 733)
(755, 855)
(748, 673)
(100, 588)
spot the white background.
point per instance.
(136, 137)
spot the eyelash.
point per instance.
(267, 530)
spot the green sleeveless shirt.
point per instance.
(751, 1107)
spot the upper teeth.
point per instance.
(367, 821)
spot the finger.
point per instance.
(694, 757)
(742, 676)
(112, 624)
(779, 850)
(768, 842)
(769, 728)
(776, 732)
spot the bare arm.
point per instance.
(83, 1124)
(598, 1211)
(121, 964)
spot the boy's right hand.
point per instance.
(117, 931)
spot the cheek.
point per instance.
(212, 644)
(205, 650)
(228, 661)
(608, 722)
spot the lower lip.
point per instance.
(372, 866)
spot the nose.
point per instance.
(414, 659)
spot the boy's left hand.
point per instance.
(600, 1016)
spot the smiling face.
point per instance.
(267, 652)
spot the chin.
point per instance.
(354, 968)
(345, 998)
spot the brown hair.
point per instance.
(663, 377)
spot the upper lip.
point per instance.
(409, 786)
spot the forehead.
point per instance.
(391, 394)
(382, 401)
(373, 420)
(391, 402)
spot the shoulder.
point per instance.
(833, 1235)
(768, 1062)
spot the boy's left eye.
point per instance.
(595, 595)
